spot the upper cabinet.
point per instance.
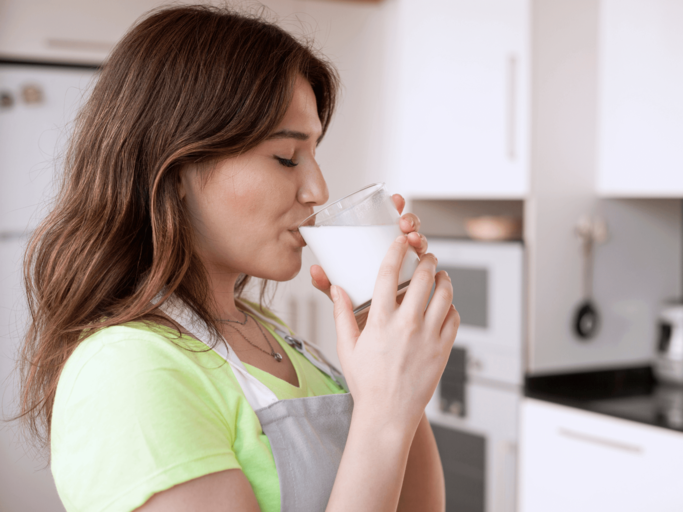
(74, 31)
(463, 98)
(641, 98)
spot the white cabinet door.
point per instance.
(25, 482)
(66, 30)
(641, 99)
(34, 137)
(576, 460)
(463, 98)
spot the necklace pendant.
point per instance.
(277, 357)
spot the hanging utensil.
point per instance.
(586, 320)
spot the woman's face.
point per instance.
(246, 211)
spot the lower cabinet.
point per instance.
(573, 460)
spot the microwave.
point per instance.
(488, 292)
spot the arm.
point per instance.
(423, 484)
(392, 368)
(217, 492)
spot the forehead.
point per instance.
(302, 113)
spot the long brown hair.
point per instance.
(187, 85)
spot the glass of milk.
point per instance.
(351, 237)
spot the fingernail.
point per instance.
(334, 293)
(402, 239)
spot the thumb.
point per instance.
(345, 321)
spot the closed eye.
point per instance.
(287, 162)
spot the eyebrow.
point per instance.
(291, 134)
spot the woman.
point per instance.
(191, 166)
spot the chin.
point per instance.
(283, 270)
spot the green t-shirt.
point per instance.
(139, 410)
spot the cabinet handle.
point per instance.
(507, 464)
(579, 436)
(79, 45)
(14, 235)
(511, 107)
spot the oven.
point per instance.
(474, 411)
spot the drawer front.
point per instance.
(576, 460)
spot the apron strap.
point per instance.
(309, 350)
(258, 394)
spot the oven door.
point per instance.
(479, 450)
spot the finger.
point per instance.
(419, 242)
(420, 287)
(449, 329)
(386, 286)
(320, 280)
(409, 222)
(399, 202)
(441, 302)
(344, 320)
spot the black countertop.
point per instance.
(628, 393)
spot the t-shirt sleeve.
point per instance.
(133, 416)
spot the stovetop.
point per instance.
(628, 393)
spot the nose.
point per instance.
(313, 188)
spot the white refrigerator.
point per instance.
(38, 104)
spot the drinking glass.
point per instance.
(351, 237)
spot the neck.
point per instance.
(222, 290)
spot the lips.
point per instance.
(298, 237)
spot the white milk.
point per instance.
(351, 256)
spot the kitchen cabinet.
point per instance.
(640, 100)
(25, 481)
(577, 460)
(463, 99)
(34, 131)
(479, 448)
(66, 30)
(35, 120)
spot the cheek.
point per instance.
(253, 204)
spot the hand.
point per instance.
(393, 366)
(409, 224)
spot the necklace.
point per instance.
(272, 353)
(234, 321)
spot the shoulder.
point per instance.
(134, 359)
(132, 345)
(137, 410)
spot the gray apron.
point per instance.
(307, 435)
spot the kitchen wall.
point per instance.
(639, 264)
